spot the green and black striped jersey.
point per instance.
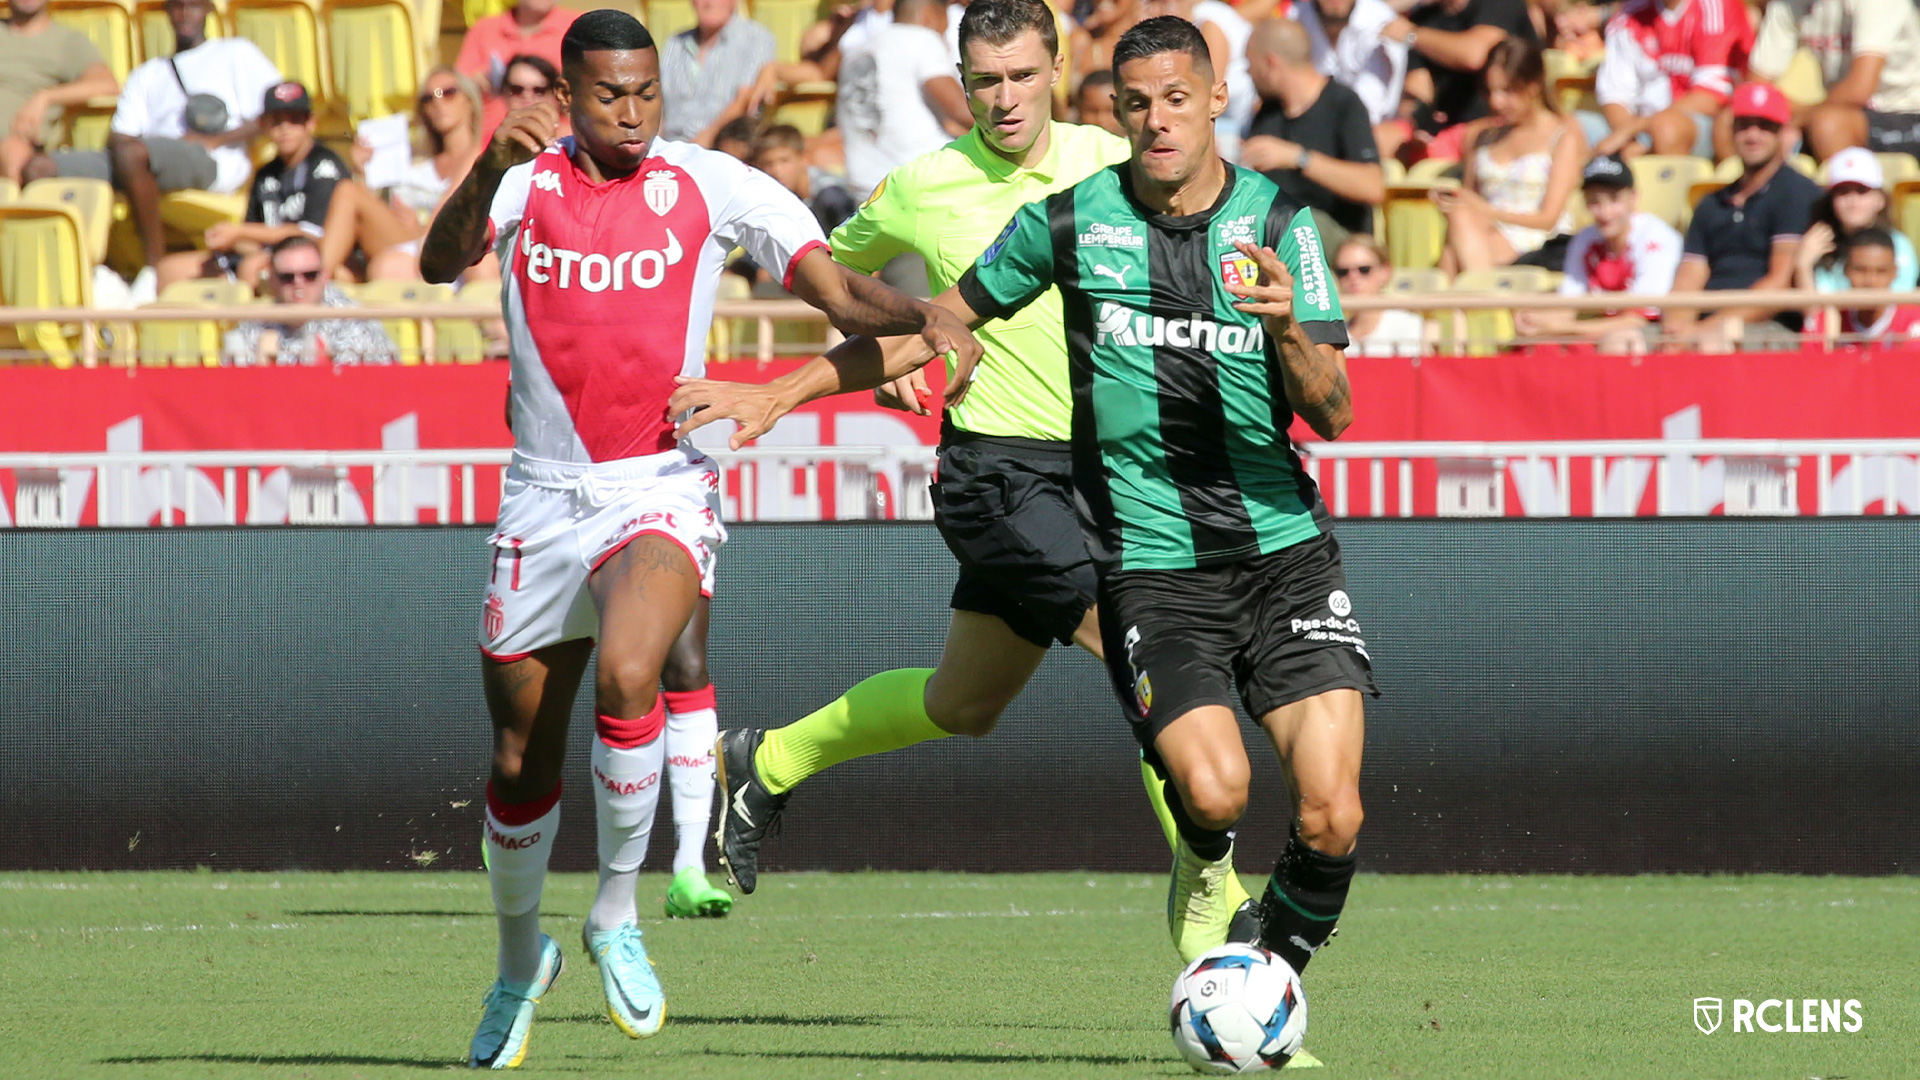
(1180, 416)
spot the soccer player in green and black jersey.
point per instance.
(1200, 319)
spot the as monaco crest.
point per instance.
(493, 616)
(661, 190)
(1706, 1015)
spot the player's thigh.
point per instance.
(1088, 635)
(686, 667)
(643, 593)
(983, 667)
(530, 700)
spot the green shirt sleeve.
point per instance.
(1015, 269)
(881, 229)
(1315, 305)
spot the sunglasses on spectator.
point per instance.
(1349, 271)
(516, 90)
(1754, 121)
(289, 277)
(438, 93)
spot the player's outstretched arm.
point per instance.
(458, 236)
(1315, 376)
(858, 304)
(858, 363)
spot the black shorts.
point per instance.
(1005, 508)
(1893, 133)
(1280, 627)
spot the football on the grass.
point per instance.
(1238, 1009)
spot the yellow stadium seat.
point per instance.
(91, 199)
(1729, 170)
(1808, 167)
(1427, 170)
(189, 342)
(461, 341)
(1416, 233)
(106, 23)
(1664, 183)
(1487, 330)
(666, 18)
(372, 44)
(475, 10)
(1570, 79)
(153, 31)
(406, 333)
(1904, 204)
(1802, 82)
(43, 264)
(1417, 282)
(1394, 172)
(788, 19)
(9, 191)
(85, 126)
(288, 31)
(806, 106)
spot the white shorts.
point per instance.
(559, 521)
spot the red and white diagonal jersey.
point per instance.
(608, 288)
(1656, 55)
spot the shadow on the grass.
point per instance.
(748, 1020)
(908, 1057)
(282, 1059)
(326, 913)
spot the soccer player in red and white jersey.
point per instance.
(612, 243)
(1623, 251)
(1669, 69)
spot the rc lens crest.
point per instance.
(1238, 271)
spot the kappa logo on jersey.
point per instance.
(999, 243)
(661, 190)
(645, 268)
(1117, 324)
(548, 181)
(1239, 271)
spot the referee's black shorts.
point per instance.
(1005, 507)
(1280, 627)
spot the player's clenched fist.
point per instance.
(1270, 297)
(523, 134)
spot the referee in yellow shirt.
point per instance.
(1003, 500)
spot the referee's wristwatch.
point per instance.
(1300, 163)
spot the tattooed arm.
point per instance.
(458, 236)
(858, 304)
(1313, 375)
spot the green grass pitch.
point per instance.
(946, 975)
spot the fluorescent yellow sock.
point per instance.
(884, 712)
(1157, 798)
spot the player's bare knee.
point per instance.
(1331, 825)
(971, 718)
(1216, 799)
(685, 671)
(626, 687)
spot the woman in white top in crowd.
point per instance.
(1519, 171)
(447, 141)
(1360, 268)
(1856, 199)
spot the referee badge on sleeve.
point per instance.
(1238, 270)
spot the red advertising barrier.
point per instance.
(1858, 394)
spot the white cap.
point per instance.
(1855, 165)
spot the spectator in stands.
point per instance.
(1093, 103)
(43, 67)
(529, 28)
(736, 137)
(1226, 32)
(1451, 41)
(1361, 268)
(1093, 39)
(1869, 54)
(290, 195)
(184, 122)
(707, 73)
(1871, 264)
(1519, 172)
(900, 95)
(388, 229)
(300, 277)
(529, 79)
(1856, 199)
(1623, 251)
(1745, 235)
(847, 28)
(781, 152)
(1312, 136)
(1669, 67)
(1345, 35)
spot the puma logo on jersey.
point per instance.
(593, 271)
(1119, 276)
(1117, 324)
(548, 181)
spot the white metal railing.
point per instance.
(1596, 478)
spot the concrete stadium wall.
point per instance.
(1585, 696)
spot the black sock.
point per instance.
(1210, 844)
(1303, 901)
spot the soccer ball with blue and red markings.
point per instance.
(1238, 1009)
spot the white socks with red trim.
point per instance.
(627, 761)
(519, 840)
(692, 728)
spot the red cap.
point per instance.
(1761, 101)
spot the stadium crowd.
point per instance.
(1641, 146)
